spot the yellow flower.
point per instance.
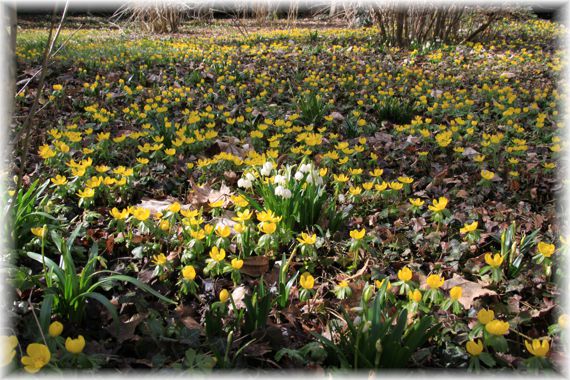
(159, 260)
(538, 347)
(487, 175)
(307, 239)
(343, 284)
(268, 216)
(174, 208)
(395, 185)
(546, 249)
(355, 190)
(239, 228)
(39, 231)
(307, 281)
(267, 228)
(223, 231)
(239, 200)
(439, 205)
(455, 293)
(217, 254)
(415, 296)
(341, 178)
(8, 344)
(357, 235)
(170, 151)
(38, 356)
(497, 327)
(379, 284)
(115, 213)
(243, 216)
(494, 261)
(216, 204)
(485, 316)
(189, 273)
(405, 274)
(75, 346)
(224, 295)
(417, 202)
(405, 179)
(469, 227)
(237, 263)
(55, 329)
(164, 225)
(87, 193)
(377, 172)
(435, 281)
(141, 213)
(59, 180)
(57, 87)
(474, 348)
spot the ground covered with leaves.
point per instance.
(288, 199)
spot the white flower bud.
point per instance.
(298, 176)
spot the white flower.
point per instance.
(299, 176)
(279, 190)
(250, 177)
(287, 194)
(341, 198)
(279, 179)
(310, 178)
(266, 169)
(305, 168)
(244, 183)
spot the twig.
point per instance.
(35, 317)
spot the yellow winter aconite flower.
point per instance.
(417, 202)
(438, 204)
(39, 231)
(175, 207)
(485, 316)
(237, 263)
(455, 293)
(405, 274)
(415, 296)
(75, 346)
(487, 175)
(435, 281)
(223, 231)
(379, 284)
(546, 249)
(268, 216)
(217, 254)
(494, 261)
(307, 281)
(497, 327)
(474, 348)
(189, 273)
(55, 329)
(242, 216)
(469, 227)
(115, 213)
(37, 357)
(59, 180)
(224, 295)
(357, 235)
(57, 87)
(538, 347)
(159, 260)
(307, 239)
(141, 213)
(216, 204)
(164, 225)
(8, 344)
(87, 193)
(267, 227)
(341, 178)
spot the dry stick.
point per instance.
(27, 121)
(480, 29)
(35, 317)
